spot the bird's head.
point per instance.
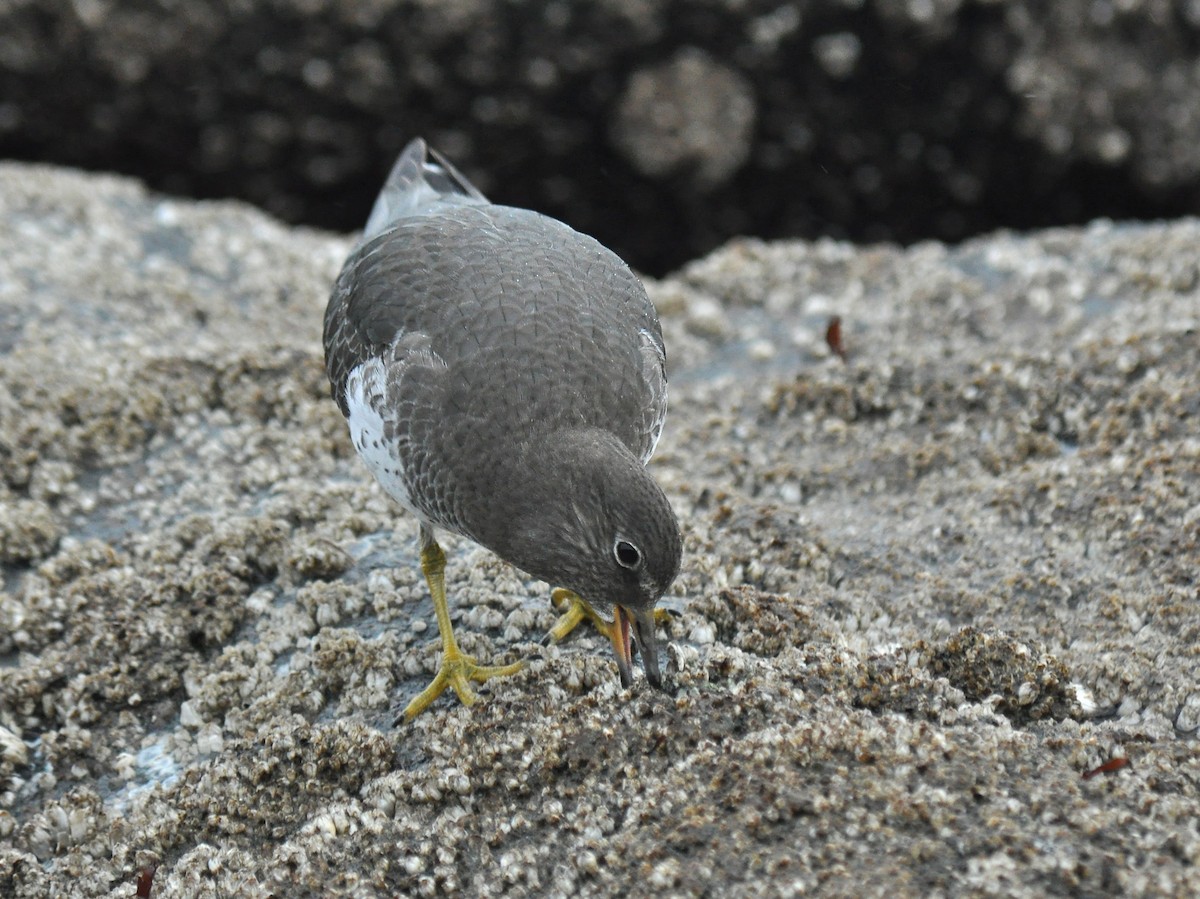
(610, 536)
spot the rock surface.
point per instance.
(661, 126)
(927, 589)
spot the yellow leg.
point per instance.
(457, 670)
(575, 609)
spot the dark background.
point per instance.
(663, 128)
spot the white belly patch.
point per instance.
(366, 399)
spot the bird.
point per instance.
(503, 377)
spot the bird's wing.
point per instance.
(654, 375)
(385, 398)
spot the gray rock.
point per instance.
(925, 591)
(691, 118)
(1113, 84)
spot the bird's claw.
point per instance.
(574, 609)
(457, 671)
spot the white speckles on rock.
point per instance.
(188, 716)
(454, 781)
(483, 618)
(1008, 445)
(838, 53)
(666, 874)
(707, 318)
(29, 531)
(12, 748)
(703, 634)
(210, 740)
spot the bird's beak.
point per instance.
(630, 625)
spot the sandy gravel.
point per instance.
(926, 589)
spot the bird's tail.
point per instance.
(420, 180)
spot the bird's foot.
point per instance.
(457, 671)
(575, 609)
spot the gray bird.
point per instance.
(503, 377)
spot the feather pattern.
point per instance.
(455, 318)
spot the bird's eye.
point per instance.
(628, 555)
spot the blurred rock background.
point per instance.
(661, 126)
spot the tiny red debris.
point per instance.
(146, 881)
(833, 337)
(1107, 768)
